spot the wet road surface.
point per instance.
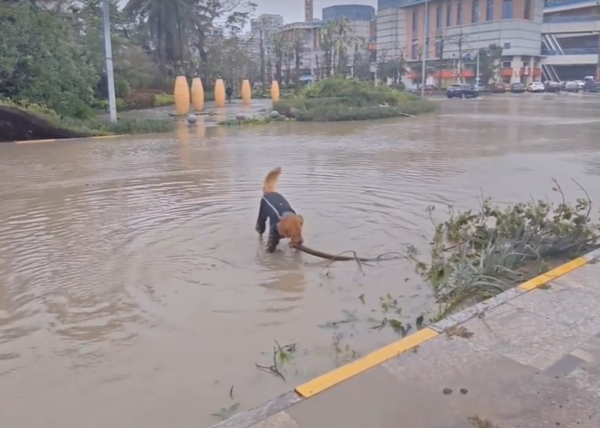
(135, 292)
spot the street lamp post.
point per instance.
(478, 47)
(110, 77)
(425, 48)
(312, 51)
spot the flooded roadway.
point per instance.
(135, 292)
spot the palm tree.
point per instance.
(341, 40)
(358, 45)
(167, 22)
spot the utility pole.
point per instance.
(478, 47)
(425, 48)
(110, 77)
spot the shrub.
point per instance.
(136, 126)
(336, 99)
(140, 100)
(95, 126)
(122, 88)
(163, 100)
(364, 92)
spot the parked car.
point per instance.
(536, 87)
(461, 91)
(580, 84)
(498, 88)
(517, 88)
(429, 90)
(571, 86)
(591, 86)
(552, 87)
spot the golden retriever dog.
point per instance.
(283, 220)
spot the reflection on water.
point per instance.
(135, 292)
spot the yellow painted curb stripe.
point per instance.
(343, 373)
(95, 137)
(557, 272)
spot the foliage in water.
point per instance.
(476, 255)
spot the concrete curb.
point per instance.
(330, 379)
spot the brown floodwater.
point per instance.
(134, 291)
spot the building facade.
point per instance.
(351, 12)
(261, 33)
(450, 33)
(571, 38)
(309, 33)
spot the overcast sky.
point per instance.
(293, 10)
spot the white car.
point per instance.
(536, 87)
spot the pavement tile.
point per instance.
(585, 278)
(408, 391)
(491, 386)
(259, 413)
(278, 420)
(525, 337)
(473, 311)
(573, 307)
(587, 373)
(372, 399)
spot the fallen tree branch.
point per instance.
(392, 255)
(283, 353)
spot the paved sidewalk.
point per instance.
(527, 358)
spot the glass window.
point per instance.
(489, 10)
(428, 19)
(507, 9)
(439, 47)
(475, 11)
(459, 14)
(415, 49)
(439, 18)
(527, 11)
(415, 18)
(448, 15)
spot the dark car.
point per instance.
(517, 88)
(461, 91)
(552, 87)
(498, 88)
(591, 86)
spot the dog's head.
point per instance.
(290, 226)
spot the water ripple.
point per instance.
(133, 264)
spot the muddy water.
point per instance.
(135, 292)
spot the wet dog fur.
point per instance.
(290, 225)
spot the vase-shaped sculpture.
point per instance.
(220, 93)
(181, 94)
(275, 91)
(197, 94)
(246, 92)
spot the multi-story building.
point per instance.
(261, 33)
(571, 37)
(449, 33)
(308, 32)
(309, 13)
(361, 23)
(352, 12)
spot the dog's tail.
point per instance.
(270, 183)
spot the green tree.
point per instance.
(167, 22)
(297, 44)
(490, 59)
(41, 62)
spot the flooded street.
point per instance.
(134, 291)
